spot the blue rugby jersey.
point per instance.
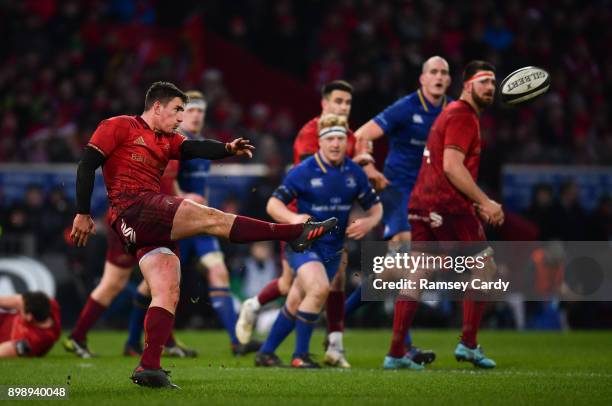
(193, 174)
(406, 123)
(324, 191)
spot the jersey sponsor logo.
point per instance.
(128, 232)
(140, 141)
(417, 119)
(316, 182)
(350, 182)
(149, 161)
(331, 207)
(417, 142)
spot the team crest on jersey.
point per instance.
(416, 118)
(350, 182)
(316, 182)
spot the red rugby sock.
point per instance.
(402, 320)
(269, 292)
(472, 314)
(247, 229)
(335, 311)
(89, 315)
(158, 326)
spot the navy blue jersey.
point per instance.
(406, 123)
(325, 191)
(193, 174)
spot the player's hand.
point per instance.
(240, 146)
(82, 227)
(491, 212)
(301, 218)
(363, 159)
(378, 179)
(358, 229)
(199, 199)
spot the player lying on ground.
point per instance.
(134, 152)
(326, 184)
(29, 324)
(446, 187)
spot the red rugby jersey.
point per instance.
(40, 340)
(457, 127)
(136, 157)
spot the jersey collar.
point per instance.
(325, 166)
(426, 104)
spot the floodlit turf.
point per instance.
(542, 368)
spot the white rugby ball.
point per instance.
(524, 84)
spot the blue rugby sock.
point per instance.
(136, 325)
(224, 307)
(284, 324)
(304, 326)
(353, 302)
(408, 340)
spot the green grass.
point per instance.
(540, 368)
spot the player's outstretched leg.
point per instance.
(114, 279)
(468, 349)
(397, 358)
(193, 219)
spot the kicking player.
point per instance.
(191, 182)
(446, 186)
(325, 184)
(134, 151)
(336, 98)
(29, 325)
(406, 124)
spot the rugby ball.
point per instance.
(524, 84)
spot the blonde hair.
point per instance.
(195, 95)
(332, 120)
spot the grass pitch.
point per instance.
(533, 368)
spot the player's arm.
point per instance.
(13, 302)
(8, 350)
(191, 196)
(83, 225)
(212, 149)
(460, 177)
(279, 211)
(283, 195)
(361, 226)
(364, 148)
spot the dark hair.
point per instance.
(336, 85)
(163, 92)
(38, 304)
(474, 66)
